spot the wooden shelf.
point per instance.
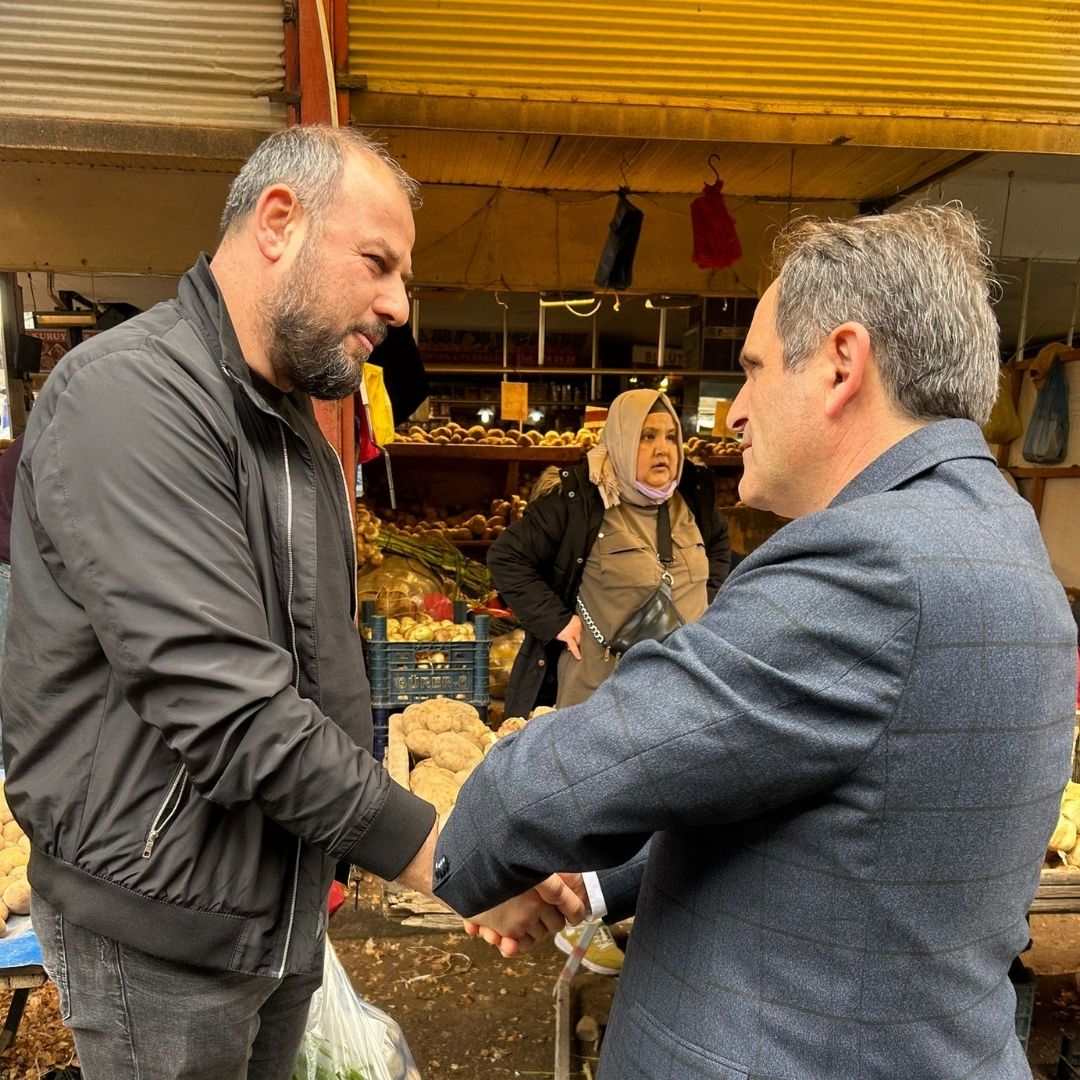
(1042, 472)
(541, 455)
(724, 461)
(1038, 475)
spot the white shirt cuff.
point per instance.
(597, 904)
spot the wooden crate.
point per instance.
(408, 905)
(1058, 892)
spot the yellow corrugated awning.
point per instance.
(959, 75)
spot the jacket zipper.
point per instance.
(352, 533)
(296, 675)
(168, 809)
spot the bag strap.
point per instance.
(663, 534)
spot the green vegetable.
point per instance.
(324, 1067)
(468, 576)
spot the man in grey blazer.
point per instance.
(827, 800)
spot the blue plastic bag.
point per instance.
(1047, 439)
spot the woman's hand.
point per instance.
(571, 637)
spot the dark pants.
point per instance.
(138, 1017)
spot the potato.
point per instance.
(12, 857)
(455, 752)
(4, 913)
(421, 744)
(1064, 838)
(436, 786)
(17, 898)
(439, 714)
(11, 832)
(24, 843)
(19, 873)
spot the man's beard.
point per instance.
(304, 349)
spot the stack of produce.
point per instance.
(368, 552)
(1065, 842)
(424, 627)
(447, 740)
(478, 435)
(701, 450)
(14, 855)
(425, 522)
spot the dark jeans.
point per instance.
(138, 1017)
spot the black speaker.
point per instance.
(27, 357)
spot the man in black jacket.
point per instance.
(186, 715)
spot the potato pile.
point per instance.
(423, 627)
(453, 433)
(700, 450)
(14, 855)
(447, 740)
(368, 552)
(1065, 841)
(466, 525)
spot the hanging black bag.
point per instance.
(616, 269)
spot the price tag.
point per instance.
(515, 402)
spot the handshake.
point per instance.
(516, 924)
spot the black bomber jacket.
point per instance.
(186, 779)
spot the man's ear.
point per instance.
(847, 352)
(276, 221)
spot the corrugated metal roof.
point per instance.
(183, 62)
(581, 163)
(909, 57)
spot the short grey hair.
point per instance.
(310, 159)
(920, 280)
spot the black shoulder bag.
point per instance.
(658, 616)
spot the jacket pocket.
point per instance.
(626, 562)
(167, 811)
(689, 550)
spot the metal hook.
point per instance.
(716, 175)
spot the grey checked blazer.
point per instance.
(848, 768)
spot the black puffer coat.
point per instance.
(538, 562)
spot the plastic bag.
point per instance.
(1004, 425)
(348, 1039)
(398, 586)
(1047, 438)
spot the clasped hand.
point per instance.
(516, 924)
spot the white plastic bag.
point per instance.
(348, 1039)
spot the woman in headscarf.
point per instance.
(588, 545)
(587, 555)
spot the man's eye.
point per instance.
(378, 262)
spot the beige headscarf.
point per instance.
(613, 461)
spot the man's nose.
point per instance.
(737, 417)
(392, 306)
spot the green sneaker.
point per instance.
(602, 956)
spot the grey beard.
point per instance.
(311, 357)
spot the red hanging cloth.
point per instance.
(716, 244)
